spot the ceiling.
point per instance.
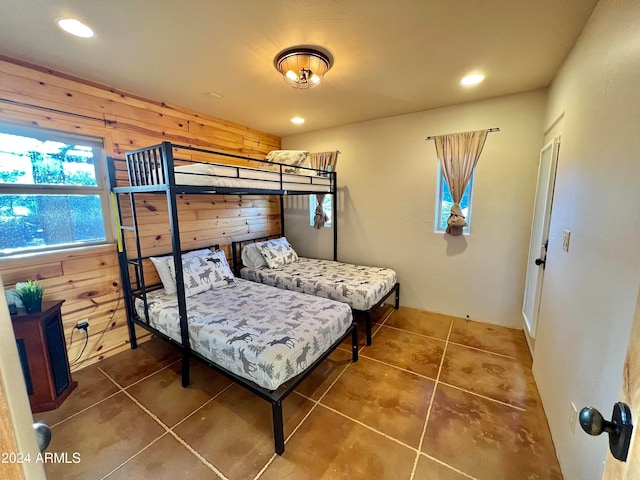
(216, 57)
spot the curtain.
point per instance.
(458, 154)
(322, 161)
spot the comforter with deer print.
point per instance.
(263, 334)
(359, 286)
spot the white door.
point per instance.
(540, 234)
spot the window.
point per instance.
(444, 203)
(53, 192)
(326, 206)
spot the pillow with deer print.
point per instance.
(277, 252)
(204, 272)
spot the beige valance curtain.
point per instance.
(458, 154)
(322, 161)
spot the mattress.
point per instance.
(257, 332)
(358, 286)
(216, 175)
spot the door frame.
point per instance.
(13, 397)
(539, 239)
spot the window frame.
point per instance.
(440, 188)
(101, 189)
(313, 202)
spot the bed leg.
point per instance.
(278, 427)
(132, 336)
(185, 370)
(354, 343)
(367, 326)
(397, 296)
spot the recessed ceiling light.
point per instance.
(75, 27)
(472, 79)
(297, 120)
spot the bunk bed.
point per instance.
(265, 339)
(363, 288)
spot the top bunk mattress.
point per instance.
(358, 286)
(257, 332)
(229, 176)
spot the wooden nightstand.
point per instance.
(43, 355)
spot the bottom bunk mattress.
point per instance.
(260, 333)
(358, 286)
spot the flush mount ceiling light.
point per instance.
(75, 27)
(297, 120)
(472, 79)
(303, 67)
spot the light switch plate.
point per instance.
(565, 240)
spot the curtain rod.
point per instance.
(488, 130)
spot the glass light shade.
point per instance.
(302, 68)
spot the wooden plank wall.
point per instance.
(88, 279)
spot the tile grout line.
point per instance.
(143, 378)
(395, 440)
(499, 402)
(484, 350)
(430, 337)
(167, 430)
(134, 455)
(369, 427)
(316, 403)
(431, 400)
(434, 459)
(444, 340)
(426, 377)
(203, 405)
(73, 415)
(120, 389)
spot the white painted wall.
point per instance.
(589, 294)
(387, 176)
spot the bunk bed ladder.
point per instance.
(123, 261)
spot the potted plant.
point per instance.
(30, 293)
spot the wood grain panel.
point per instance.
(630, 394)
(88, 279)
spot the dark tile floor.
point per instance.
(433, 398)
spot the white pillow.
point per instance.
(277, 252)
(295, 158)
(251, 257)
(162, 266)
(204, 272)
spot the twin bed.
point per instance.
(363, 288)
(264, 338)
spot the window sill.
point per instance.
(51, 255)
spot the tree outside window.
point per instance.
(326, 206)
(444, 203)
(52, 192)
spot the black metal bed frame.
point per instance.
(236, 249)
(151, 170)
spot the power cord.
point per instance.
(81, 326)
(104, 330)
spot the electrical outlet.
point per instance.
(573, 417)
(83, 325)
